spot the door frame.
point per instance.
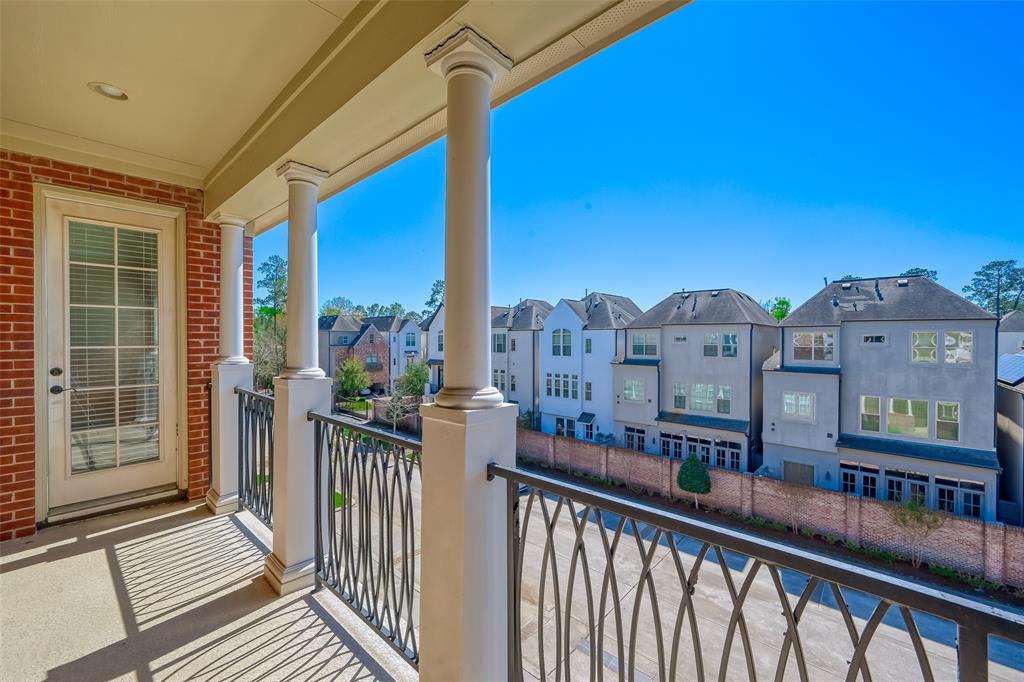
(42, 194)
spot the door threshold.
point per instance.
(114, 503)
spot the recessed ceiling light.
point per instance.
(108, 90)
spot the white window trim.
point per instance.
(931, 418)
(860, 414)
(795, 417)
(835, 350)
(940, 350)
(643, 390)
(959, 422)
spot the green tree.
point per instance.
(780, 307)
(412, 381)
(921, 272)
(352, 378)
(274, 282)
(436, 297)
(920, 523)
(847, 278)
(1002, 276)
(269, 340)
(694, 478)
(339, 305)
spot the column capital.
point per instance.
(293, 171)
(468, 51)
(228, 220)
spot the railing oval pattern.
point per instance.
(256, 454)
(367, 514)
(607, 588)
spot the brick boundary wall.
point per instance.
(17, 314)
(992, 550)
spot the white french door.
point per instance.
(110, 304)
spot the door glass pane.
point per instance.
(92, 327)
(113, 350)
(90, 284)
(91, 243)
(92, 450)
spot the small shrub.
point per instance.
(831, 539)
(852, 546)
(978, 582)
(944, 571)
(807, 532)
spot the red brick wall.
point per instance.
(17, 301)
(993, 550)
(363, 348)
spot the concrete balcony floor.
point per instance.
(171, 593)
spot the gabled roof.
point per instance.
(527, 315)
(709, 306)
(339, 323)
(1012, 321)
(385, 323)
(1010, 370)
(884, 299)
(326, 322)
(425, 324)
(604, 311)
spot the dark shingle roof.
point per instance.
(930, 451)
(711, 306)
(1010, 370)
(425, 324)
(859, 300)
(385, 323)
(605, 311)
(527, 315)
(719, 423)
(326, 322)
(1012, 321)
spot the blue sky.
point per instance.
(760, 146)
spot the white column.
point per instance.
(463, 607)
(301, 360)
(231, 371)
(302, 387)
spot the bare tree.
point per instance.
(920, 523)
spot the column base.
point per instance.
(469, 398)
(288, 579)
(302, 373)
(219, 503)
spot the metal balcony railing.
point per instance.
(367, 525)
(608, 588)
(256, 454)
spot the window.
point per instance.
(672, 445)
(547, 384)
(957, 496)
(859, 478)
(947, 420)
(512, 383)
(565, 386)
(959, 347)
(727, 455)
(724, 399)
(679, 396)
(561, 342)
(633, 390)
(906, 485)
(700, 448)
(440, 341)
(512, 344)
(636, 439)
(372, 359)
(923, 347)
(711, 345)
(798, 405)
(410, 340)
(874, 338)
(907, 417)
(704, 397)
(972, 504)
(498, 343)
(499, 379)
(870, 413)
(645, 344)
(575, 387)
(815, 346)
(945, 499)
(588, 390)
(587, 345)
(565, 427)
(730, 344)
(588, 431)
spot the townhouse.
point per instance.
(688, 380)
(885, 388)
(515, 352)
(1010, 436)
(433, 338)
(578, 343)
(1011, 332)
(374, 340)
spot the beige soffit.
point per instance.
(197, 75)
(376, 115)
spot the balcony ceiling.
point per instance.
(220, 93)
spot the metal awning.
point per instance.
(585, 418)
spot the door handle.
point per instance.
(57, 390)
